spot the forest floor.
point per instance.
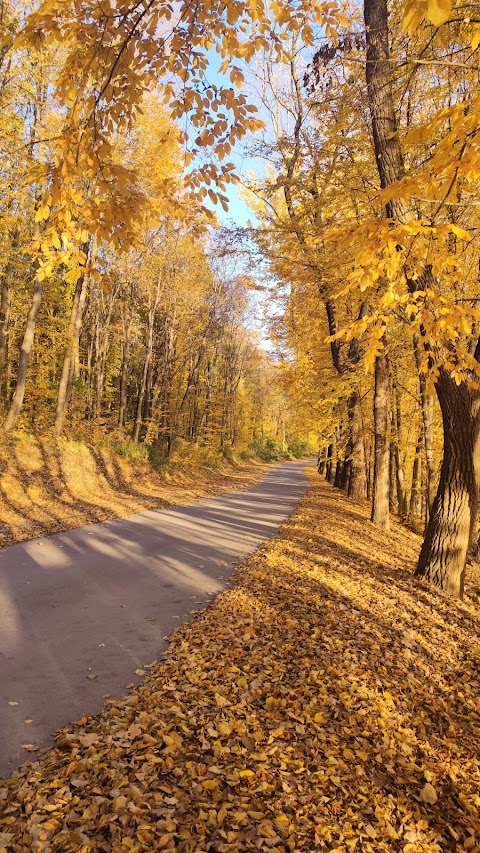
(47, 486)
(326, 702)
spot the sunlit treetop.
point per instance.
(117, 51)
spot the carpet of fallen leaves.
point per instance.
(325, 702)
(48, 486)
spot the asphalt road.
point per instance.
(81, 611)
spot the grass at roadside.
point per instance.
(326, 702)
(48, 485)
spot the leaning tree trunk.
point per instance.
(380, 502)
(454, 512)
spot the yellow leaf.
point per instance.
(428, 794)
(439, 11)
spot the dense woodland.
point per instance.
(123, 314)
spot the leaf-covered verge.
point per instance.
(50, 485)
(325, 702)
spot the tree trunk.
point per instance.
(70, 352)
(4, 299)
(141, 395)
(426, 401)
(444, 550)
(391, 478)
(122, 406)
(3, 327)
(332, 458)
(454, 512)
(338, 474)
(17, 402)
(357, 485)
(380, 512)
(415, 497)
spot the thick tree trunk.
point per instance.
(17, 402)
(454, 512)
(447, 536)
(380, 503)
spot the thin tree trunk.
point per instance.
(426, 401)
(122, 406)
(17, 402)
(332, 462)
(452, 520)
(397, 444)
(144, 382)
(391, 478)
(4, 295)
(415, 497)
(357, 485)
(380, 503)
(4, 300)
(70, 351)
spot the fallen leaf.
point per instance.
(429, 794)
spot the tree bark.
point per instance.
(415, 508)
(17, 402)
(4, 300)
(380, 498)
(426, 401)
(447, 536)
(357, 485)
(70, 353)
(454, 512)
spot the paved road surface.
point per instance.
(97, 601)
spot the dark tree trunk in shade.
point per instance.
(338, 474)
(454, 512)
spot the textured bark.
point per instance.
(388, 151)
(454, 512)
(380, 498)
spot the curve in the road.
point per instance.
(81, 611)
